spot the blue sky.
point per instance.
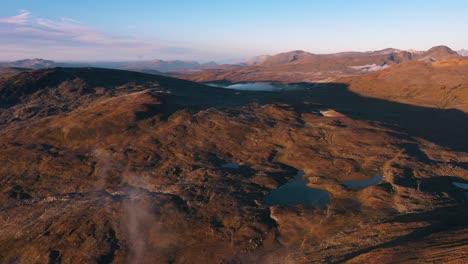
(223, 30)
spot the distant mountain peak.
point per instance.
(299, 51)
(439, 53)
(36, 63)
(441, 48)
(463, 52)
(386, 51)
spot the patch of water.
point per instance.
(297, 193)
(363, 183)
(256, 86)
(230, 166)
(461, 185)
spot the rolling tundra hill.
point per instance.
(442, 84)
(109, 166)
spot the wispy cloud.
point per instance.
(20, 19)
(25, 35)
(64, 30)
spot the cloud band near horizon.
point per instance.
(66, 39)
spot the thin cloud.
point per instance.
(62, 30)
(41, 35)
(69, 39)
(67, 19)
(20, 19)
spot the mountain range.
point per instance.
(293, 66)
(301, 66)
(153, 65)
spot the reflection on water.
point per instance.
(257, 86)
(461, 185)
(363, 183)
(297, 193)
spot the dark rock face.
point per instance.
(103, 166)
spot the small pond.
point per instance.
(298, 193)
(230, 166)
(363, 183)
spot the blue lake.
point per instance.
(257, 86)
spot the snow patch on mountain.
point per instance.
(370, 67)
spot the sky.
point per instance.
(222, 31)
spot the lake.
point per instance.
(298, 193)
